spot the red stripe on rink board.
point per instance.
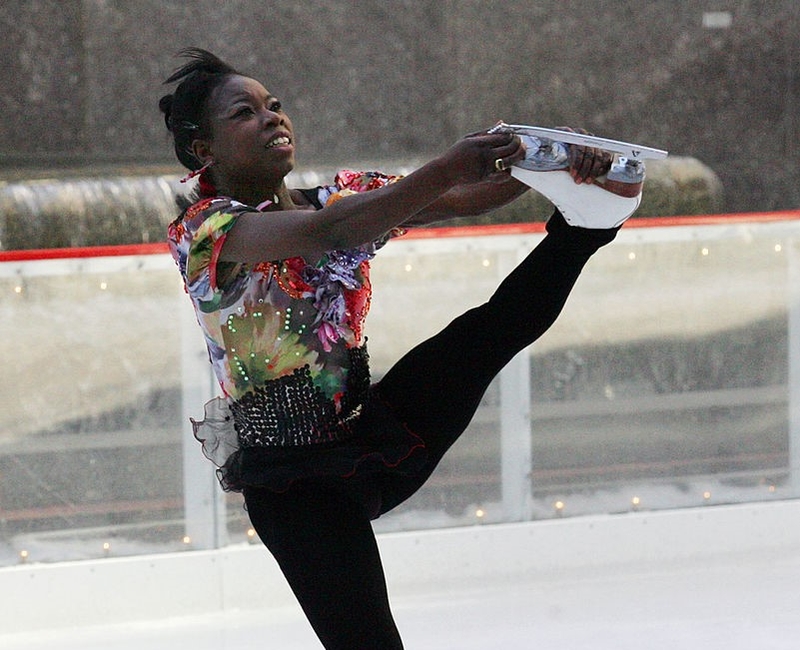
(714, 219)
(645, 222)
(89, 251)
(419, 233)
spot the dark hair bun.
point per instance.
(165, 106)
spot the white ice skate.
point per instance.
(607, 202)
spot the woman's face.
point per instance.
(252, 140)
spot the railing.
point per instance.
(669, 381)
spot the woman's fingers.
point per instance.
(481, 156)
(506, 155)
(586, 163)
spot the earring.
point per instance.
(197, 172)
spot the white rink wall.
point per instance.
(161, 587)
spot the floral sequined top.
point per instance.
(284, 337)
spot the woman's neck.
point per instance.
(251, 194)
(283, 198)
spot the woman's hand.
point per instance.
(482, 156)
(586, 163)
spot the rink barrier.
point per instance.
(149, 589)
(204, 506)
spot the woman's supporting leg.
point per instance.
(320, 534)
(436, 388)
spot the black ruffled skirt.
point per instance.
(376, 443)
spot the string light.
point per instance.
(631, 256)
(23, 556)
(706, 495)
(18, 289)
(106, 548)
(635, 503)
(559, 506)
(103, 286)
(704, 252)
(251, 535)
(187, 541)
(480, 513)
(778, 248)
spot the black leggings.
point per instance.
(319, 531)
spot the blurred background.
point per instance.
(716, 80)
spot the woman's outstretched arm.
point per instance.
(364, 217)
(470, 200)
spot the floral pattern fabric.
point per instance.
(267, 321)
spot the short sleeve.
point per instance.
(196, 242)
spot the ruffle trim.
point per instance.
(380, 444)
(215, 432)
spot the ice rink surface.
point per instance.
(723, 602)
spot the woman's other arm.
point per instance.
(364, 217)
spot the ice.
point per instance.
(724, 602)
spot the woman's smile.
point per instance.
(279, 141)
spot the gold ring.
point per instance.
(499, 165)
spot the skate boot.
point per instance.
(605, 203)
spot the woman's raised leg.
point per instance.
(436, 388)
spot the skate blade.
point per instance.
(627, 149)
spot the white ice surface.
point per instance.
(745, 601)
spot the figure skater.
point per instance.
(279, 279)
